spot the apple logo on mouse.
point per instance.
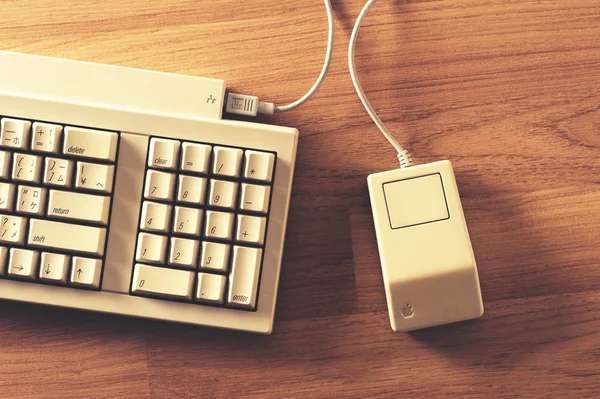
(407, 311)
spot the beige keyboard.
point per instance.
(138, 203)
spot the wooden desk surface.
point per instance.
(508, 90)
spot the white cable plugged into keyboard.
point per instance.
(243, 104)
(115, 200)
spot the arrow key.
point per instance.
(86, 272)
(54, 267)
(22, 263)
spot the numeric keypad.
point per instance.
(201, 203)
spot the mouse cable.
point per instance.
(403, 155)
(243, 104)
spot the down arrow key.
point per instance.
(55, 268)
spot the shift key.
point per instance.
(68, 237)
(88, 143)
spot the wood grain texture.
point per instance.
(508, 90)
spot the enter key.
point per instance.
(78, 206)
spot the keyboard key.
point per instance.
(93, 176)
(78, 206)
(159, 185)
(26, 168)
(211, 288)
(151, 248)
(259, 165)
(3, 260)
(255, 198)
(31, 200)
(195, 158)
(191, 189)
(54, 267)
(86, 272)
(251, 229)
(163, 153)
(7, 196)
(162, 282)
(5, 158)
(187, 221)
(218, 225)
(184, 252)
(215, 256)
(243, 279)
(68, 237)
(22, 263)
(12, 229)
(155, 216)
(88, 143)
(227, 161)
(58, 172)
(223, 194)
(46, 137)
(14, 133)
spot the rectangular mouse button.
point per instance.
(416, 201)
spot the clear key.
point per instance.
(163, 153)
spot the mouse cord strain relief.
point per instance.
(405, 159)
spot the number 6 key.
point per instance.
(218, 225)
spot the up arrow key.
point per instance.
(86, 272)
